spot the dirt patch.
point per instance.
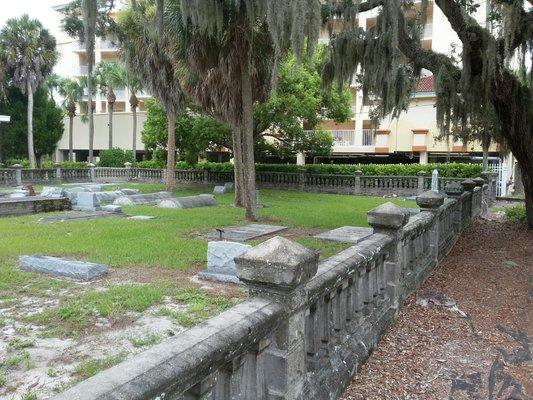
(479, 347)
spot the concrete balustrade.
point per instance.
(306, 327)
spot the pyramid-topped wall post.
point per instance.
(278, 270)
(431, 202)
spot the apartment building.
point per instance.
(73, 63)
(414, 136)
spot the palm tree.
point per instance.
(52, 84)
(72, 92)
(29, 56)
(110, 75)
(89, 11)
(147, 52)
(134, 85)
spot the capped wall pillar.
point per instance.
(278, 270)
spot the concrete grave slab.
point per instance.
(54, 266)
(244, 233)
(219, 190)
(112, 208)
(141, 217)
(79, 216)
(220, 261)
(203, 200)
(346, 234)
(52, 192)
(146, 199)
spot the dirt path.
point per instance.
(479, 349)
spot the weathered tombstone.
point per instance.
(346, 234)
(112, 208)
(141, 217)
(219, 190)
(203, 200)
(435, 181)
(147, 199)
(228, 186)
(52, 192)
(78, 270)
(220, 261)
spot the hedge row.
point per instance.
(452, 170)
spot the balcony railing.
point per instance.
(368, 137)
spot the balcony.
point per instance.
(348, 140)
(108, 45)
(81, 70)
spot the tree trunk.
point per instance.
(71, 138)
(90, 109)
(31, 151)
(527, 180)
(249, 195)
(238, 169)
(171, 151)
(110, 107)
(485, 142)
(134, 146)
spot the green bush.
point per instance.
(453, 170)
(74, 165)
(516, 214)
(151, 164)
(115, 158)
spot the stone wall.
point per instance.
(307, 327)
(32, 205)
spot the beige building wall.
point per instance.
(122, 132)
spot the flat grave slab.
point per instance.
(141, 217)
(60, 267)
(202, 200)
(80, 216)
(244, 233)
(346, 234)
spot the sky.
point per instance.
(39, 9)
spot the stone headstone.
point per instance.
(52, 192)
(435, 181)
(203, 200)
(219, 190)
(220, 261)
(228, 186)
(146, 199)
(78, 270)
(79, 216)
(346, 234)
(72, 194)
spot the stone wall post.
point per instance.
(301, 181)
(57, 169)
(206, 177)
(278, 270)
(92, 172)
(468, 186)
(421, 179)
(127, 166)
(389, 219)
(18, 174)
(357, 186)
(430, 201)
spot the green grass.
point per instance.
(145, 341)
(19, 344)
(516, 214)
(3, 379)
(86, 369)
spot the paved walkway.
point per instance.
(468, 332)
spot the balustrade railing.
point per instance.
(306, 327)
(7, 177)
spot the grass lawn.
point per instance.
(152, 262)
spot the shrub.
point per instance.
(115, 157)
(151, 164)
(516, 214)
(453, 170)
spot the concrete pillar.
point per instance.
(421, 179)
(92, 172)
(300, 158)
(18, 174)
(389, 219)
(357, 186)
(424, 157)
(430, 201)
(278, 270)
(57, 169)
(127, 166)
